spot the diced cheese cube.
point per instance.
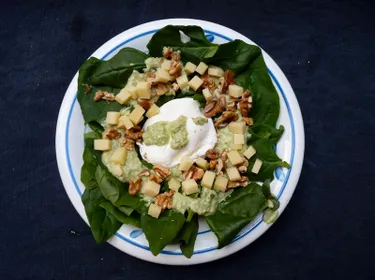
(257, 165)
(166, 65)
(186, 163)
(102, 144)
(144, 90)
(174, 184)
(136, 115)
(221, 183)
(124, 121)
(202, 163)
(154, 210)
(237, 147)
(208, 179)
(119, 156)
(162, 76)
(207, 94)
(123, 96)
(133, 91)
(238, 138)
(235, 158)
(233, 174)
(195, 83)
(237, 127)
(190, 68)
(201, 68)
(190, 186)
(154, 110)
(113, 117)
(182, 81)
(249, 152)
(151, 189)
(235, 91)
(215, 71)
(161, 89)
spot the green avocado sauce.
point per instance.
(156, 134)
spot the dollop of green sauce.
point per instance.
(199, 120)
(156, 134)
(179, 133)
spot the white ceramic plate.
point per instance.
(69, 149)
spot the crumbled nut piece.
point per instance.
(175, 87)
(167, 52)
(165, 200)
(151, 78)
(232, 106)
(214, 107)
(229, 79)
(208, 82)
(244, 105)
(194, 173)
(111, 133)
(134, 133)
(87, 88)
(244, 181)
(135, 186)
(161, 89)
(175, 56)
(248, 121)
(212, 164)
(162, 171)
(224, 156)
(226, 118)
(156, 178)
(213, 154)
(144, 172)
(98, 95)
(109, 96)
(128, 144)
(145, 104)
(176, 67)
(219, 166)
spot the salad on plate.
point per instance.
(182, 133)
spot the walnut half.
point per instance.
(135, 186)
(165, 200)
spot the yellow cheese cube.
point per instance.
(249, 152)
(154, 210)
(182, 81)
(207, 94)
(202, 163)
(162, 76)
(144, 90)
(190, 186)
(190, 68)
(117, 170)
(208, 179)
(124, 121)
(235, 158)
(123, 96)
(233, 174)
(215, 71)
(119, 156)
(174, 184)
(113, 118)
(195, 83)
(221, 183)
(185, 164)
(102, 144)
(238, 138)
(237, 127)
(166, 65)
(151, 189)
(257, 165)
(235, 91)
(201, 68)
(237, 147)
(136, 115)
(133, 91)
(154, 110)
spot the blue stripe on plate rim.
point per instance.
(258, 222)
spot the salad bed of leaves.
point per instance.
(107, 202)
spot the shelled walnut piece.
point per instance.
(244, 181)
(165, 200)
(135, 186)
(194, 173)
(105, 95)
(111, 133)
(245, 104)
(160, 174)
(128, 144)
(134, 133)
(215, 107)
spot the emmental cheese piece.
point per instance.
(236, 147)
(185, 164)
(233, 174)
(215, 71)
(207, 94)
(201, 68)
(123, 96)
(124, 121)
(237, 127)
(119, 156)
(190, 68)
(166, 65)
(151, 189)
(235, 158)
(182, 81)
(195, 83)
(154, 210)
(249, 152)
(162, 76)
(221, 183)
(235, 91)
(102, 144)
(208, 179)
(112, 118)
(257, 165)
(202, 163)
(133, 91)
(174, 184)
(136, 115)
(190, 186)
(154, 110)
(144, 90)
(238, 139)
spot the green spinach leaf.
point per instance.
(263, 131)
(133, 219)
(236, 212)
(188, 235)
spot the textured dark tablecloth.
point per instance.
(325, 48)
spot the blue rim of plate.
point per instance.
(258, 222)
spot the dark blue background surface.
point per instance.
(325, 48)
